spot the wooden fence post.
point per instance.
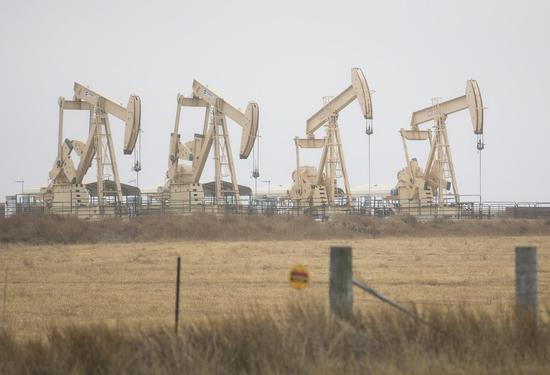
(526, 280)
(340, 283)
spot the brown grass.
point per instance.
(43, 229)
(303, 339)
(134, 282)
(106, 305)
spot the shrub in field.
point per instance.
(42, 229)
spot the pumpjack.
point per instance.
(436, 184)
(186, 160)
(318, 186)
(66, 191)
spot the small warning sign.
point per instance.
(298, 276)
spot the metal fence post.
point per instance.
(178, 271)
(340, 283)
(526, 280)
(4, 298)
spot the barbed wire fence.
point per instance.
(32, 304)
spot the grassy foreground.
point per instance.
(301, 339)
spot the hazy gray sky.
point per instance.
(286, 55)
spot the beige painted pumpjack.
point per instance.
(318, 186)
(186, 161)
(436, 184)
(66, 192)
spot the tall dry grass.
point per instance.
(303, 339)
(406, 225)
(42, 229)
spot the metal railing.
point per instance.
(153, 205)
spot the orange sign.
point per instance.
(298, 276)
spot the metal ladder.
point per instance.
(221, 151)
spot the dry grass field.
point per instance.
(133, 283)
(98, 297)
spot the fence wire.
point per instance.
(32, 305)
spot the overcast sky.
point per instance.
(285, 55)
